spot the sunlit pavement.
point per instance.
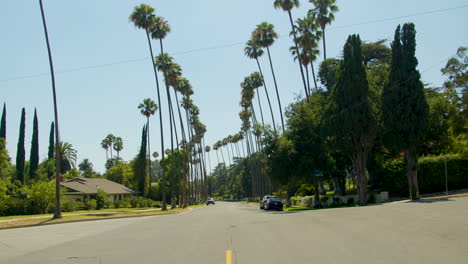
(427, 231)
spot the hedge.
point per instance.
(431, 174)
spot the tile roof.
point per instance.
(91, 186)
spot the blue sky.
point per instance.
(104, 70)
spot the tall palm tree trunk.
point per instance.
(267, 96)
(57, 211)
(297, 52)
(260, 107)
(276, 87)
(307, 77)
(324, 47)
(149, 155)
(313, 76)
(163, 169)
(217, 156)
(173, 205)
(184, 139)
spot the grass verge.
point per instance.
(46, 219)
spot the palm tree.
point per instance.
(288, 5)
(148, 108)
(143, 17)
(105, 145)
(171, 72)
(324, 10)
(264, 36)
(307, 40)
(110, 141)
(118, 145)
(67, 155)
(86, 167)
(253, 51)
(57, 211)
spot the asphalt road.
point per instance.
(420, 232)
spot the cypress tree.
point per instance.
(350, 117)
(3, 126)
(405, 110)
(140, 164)
(34, 156)
(20, 153)
(51, 142)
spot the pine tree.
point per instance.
(20, 153)
(350, 117)
(51, 142)
(3, 125)
(34, 156)
(405, 110)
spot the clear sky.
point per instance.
(103, 69)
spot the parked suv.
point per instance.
(264, 200)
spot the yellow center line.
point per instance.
(228, 257)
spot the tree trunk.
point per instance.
(57, 210)
(313, 76)
(149, 155)
(298, 54)
(411, 172)
(267, 96)
(276, 87)
(324, 47)
(316, 193)
(360, 164)
(308, 80)
(260, 107)
(163, 169)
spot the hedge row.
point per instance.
(431, 174)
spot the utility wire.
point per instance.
(224, 46)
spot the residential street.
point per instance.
(417, 232)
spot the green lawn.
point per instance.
(84, 215)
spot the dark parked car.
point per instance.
(273, 203)
(210, 201)
(264, 200)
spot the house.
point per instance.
(82, 189)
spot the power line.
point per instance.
(400, 17)
(224, 46)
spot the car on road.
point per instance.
(273, 203)
(264, 200)
(210, 201)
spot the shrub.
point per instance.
(350, 201)
(431, 174)
(324, 200)
(371, 198)
(293, 200)
(68, 206)
(13, 206)
(41, 196)
(121, 204)
(336, 201)
(90, 204)
(101, 199)
(157, 204)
